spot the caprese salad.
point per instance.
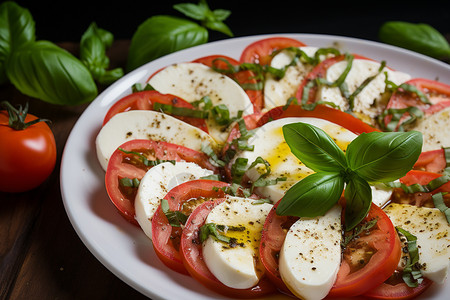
(291, 169)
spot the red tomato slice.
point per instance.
(191, 250)
(261, 50)
(321, 111)
(431, 161)
(166, 239)
(421, 198)
(383, 241)
(437, 92)
(398, 291)
(241, 77)
(272, 239)
(144, 101)
(122, 165)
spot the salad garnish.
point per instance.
(369, 158)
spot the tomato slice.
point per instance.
(123, 165)
(272, 239)
(320, 111)
(184, 197)
(144, 100)
(191, 249)
(384, 243)
(437, 92)
(420, 198)
(431, 161)
(398, 290)
(261, 50)
(247, 79)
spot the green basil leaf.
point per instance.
(17, 28)
(384, 156)
(218, 26)
(221, 14)
(45, 71)
(194, 11)
(358, 198)
(421, 38)
(161, 35)
(312, 196)
(314, 147)
(93, 45)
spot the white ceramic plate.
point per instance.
(123, 248)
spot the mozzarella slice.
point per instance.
(278, 91)
(311, 255)
(147, 124)
(192, 81)
(370, 102)
(156, 183)
(431, 127)
(269, 143)
(432, 230)
(237, 267)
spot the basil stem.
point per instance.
(180, 111)
(438, 201)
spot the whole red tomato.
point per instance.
(27, 150)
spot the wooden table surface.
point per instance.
(41, 256)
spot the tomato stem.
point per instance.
(17, 116)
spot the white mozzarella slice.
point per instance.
(311, 255)
(431, 127)
(156, 183)
(432, 230)
(381, 194)
(370, 102)
(147, 124)
(192, 81)
(269, 143)
(278, 91)
(237, 267)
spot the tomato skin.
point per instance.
(118, 169)
(437, 92)
(272, 239)
(242, 77)
(144, 101)
(162, 232)
(261, 50)
(431, 161)
(191, 250)
(320, 111)
(400, 291)
(27, 157)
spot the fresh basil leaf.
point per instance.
(93, 45)
(384, 156)
(312, 196)
(358, 198)
(421, 38)
(161, 35)
(209, 19)
(314, 147)
(45, 71)
(17, 28)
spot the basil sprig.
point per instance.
(370, 158)
(160, 35)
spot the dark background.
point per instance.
(66, 20)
